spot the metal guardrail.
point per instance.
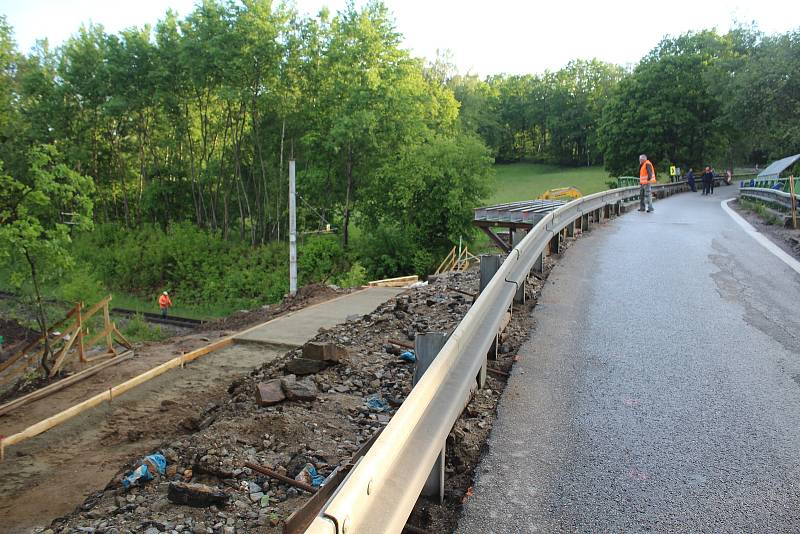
(775, 197)
(380, 492)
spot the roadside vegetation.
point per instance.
(156, 158)
(766, 214)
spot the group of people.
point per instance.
(647, 177)
(707, 179)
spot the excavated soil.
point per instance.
(49, 475)
(323, 432)
(208, 430)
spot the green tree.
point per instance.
(36, 213)
(665, 107)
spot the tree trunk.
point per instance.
(41, 318)
(349, 171)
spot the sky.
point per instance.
(483, 37)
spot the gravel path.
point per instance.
(659, 390)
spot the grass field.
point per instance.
(526, 181)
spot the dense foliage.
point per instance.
(175, 140)
(696, 99)
(190, 125)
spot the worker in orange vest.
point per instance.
(164, 303)
(647, 177)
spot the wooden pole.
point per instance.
(81, 353)
(109, 327)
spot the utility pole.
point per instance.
(292, 231)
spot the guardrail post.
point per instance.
(519, 296)
(426, 347)
(607, 211)
(538, 265)
(571, 229)
(555, 244)
(618, 209)
(585, 226)
(490, 263)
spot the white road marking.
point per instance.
(760, 238)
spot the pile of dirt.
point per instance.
(14, 335)
(331, 408)
(306, 296)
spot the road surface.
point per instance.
(660, 388)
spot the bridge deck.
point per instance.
(659, 390)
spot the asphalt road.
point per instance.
(660, 389)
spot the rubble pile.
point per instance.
(302, 415)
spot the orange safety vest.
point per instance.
(643, 173)
(164, 302)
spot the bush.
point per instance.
(356, 276)
(387, 251)
(137, 329)
(198, 267)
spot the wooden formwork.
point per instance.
(73, 339)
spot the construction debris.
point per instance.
(197, 495)
(351, 384)
(270, 392)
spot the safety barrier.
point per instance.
(777, 198)
(380, 492)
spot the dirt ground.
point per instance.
(50, 474)
(786, 238)
(323, 432)
(14, 335)
(206, 421)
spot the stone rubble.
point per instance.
(286, 416)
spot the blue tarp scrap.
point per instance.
(376, 403)
(408, 356)
(143, 472)
(316, 478)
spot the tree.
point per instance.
(35, 218)
(665, 108)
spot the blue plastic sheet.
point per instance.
(316, 478)
(377, 404)
(408, 356)
(143, 472)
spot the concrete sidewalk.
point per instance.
(296, 328)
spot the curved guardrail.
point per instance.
(778, 198)
(380, 492)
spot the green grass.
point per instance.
(139, 304)
(526, 181)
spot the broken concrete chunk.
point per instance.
(304, 366)
(269, 393)
(197, 495)
(302, 390)
(328, 352)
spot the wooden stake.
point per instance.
(109, 328)
(81, 353)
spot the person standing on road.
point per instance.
(164, 303)
(713, 179)
(647, 177)
(690, 180)
(708, 179)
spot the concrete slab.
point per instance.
(294, 329)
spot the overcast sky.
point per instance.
(484, 37)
